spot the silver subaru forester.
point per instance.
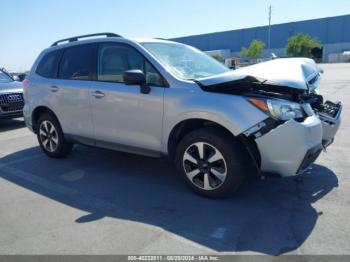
(156, 97)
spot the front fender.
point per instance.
(233, 112)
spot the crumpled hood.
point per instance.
(298, 73)
(11, 87)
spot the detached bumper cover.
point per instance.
(310, 157)
(284, 148)
(292, 147)
(330, 122)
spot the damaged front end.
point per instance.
(298, 124)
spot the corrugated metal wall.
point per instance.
(330, 30)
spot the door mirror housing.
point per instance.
(136, 77)
(16, 78)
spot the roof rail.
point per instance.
(76, 38)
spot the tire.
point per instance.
(219, 170)
(51, 137)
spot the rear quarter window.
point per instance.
(48, 65)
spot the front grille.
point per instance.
(11, 102)
(329, 109)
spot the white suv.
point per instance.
(157, 97)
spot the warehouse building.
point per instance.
(332, 32)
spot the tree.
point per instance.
(254, 50)
(218, 57)
(301, 45)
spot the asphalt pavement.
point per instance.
(98, 201)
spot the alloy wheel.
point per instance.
(204, 166)
(48, 136)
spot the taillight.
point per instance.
(26, 83)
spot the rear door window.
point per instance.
(78, 63)
(49, 64)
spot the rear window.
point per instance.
(48, 65)
(78, 63)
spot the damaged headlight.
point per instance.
(278, 109)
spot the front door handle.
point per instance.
(54, 88)
(98, 94)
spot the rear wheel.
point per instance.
(211, 162)
(51, 138)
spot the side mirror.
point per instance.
(16, 78)
(136, 77)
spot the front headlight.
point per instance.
(278, 108)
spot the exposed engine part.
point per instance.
(328, 110)
(252, 85)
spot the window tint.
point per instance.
(48, 65)
(78, 63)
(114, 60)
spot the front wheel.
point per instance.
(211, 162)
(51, 138)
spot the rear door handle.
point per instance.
(98, 94)
(54, 88)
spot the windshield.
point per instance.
(4, 78)
(184, 61)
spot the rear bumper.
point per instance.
(27, 117)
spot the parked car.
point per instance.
(19, 76)
(156, 97)
(11, 96)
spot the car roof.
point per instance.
(86, 39)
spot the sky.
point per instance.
(29, 26)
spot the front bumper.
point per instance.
(292, 147)
(11, 105)
(7, 115)
(310, 157)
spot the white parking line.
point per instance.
(13, 162)
(10, 135)
(219, 233)
(57, 188)
(85, 199)
(73, 175)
